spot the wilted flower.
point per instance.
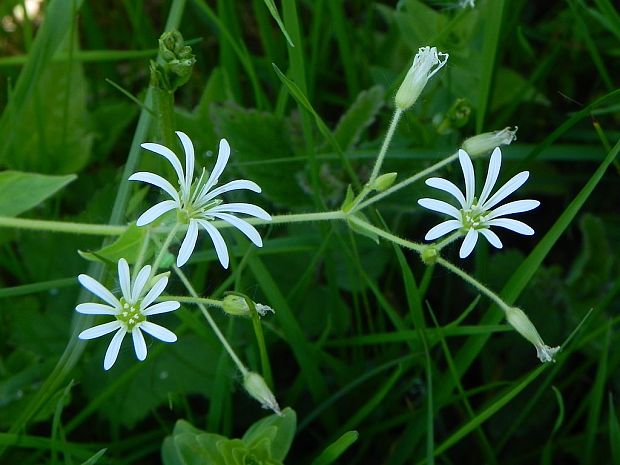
(477, 215)
(519, 321)
(255, 385)
(487, 141)
(196, 201)
(130, 311)
(425, 64)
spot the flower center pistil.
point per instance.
(473, 217)
(130, 314)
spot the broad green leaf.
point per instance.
(336, 448)
(285, 426)
(21, 191)
(127, 246)
(359, 116)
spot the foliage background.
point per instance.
(365, 337)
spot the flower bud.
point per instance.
(429, 255)
(425, 64)
(384, 182)
(237, 305)
(519, 321)
(255, 385)
(487, 141)
(178, 62)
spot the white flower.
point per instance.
(130, 311)
(477, 215)
(196, 201)
(425, 64)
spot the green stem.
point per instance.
(164, 249)
(164, 110)
(209, 318)
(408, 181)
(451, 238)
(475, 283)
(61, 226)
(260, 340)
(386, 235)
(192, 300)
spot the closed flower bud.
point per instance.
(255, 385)
(487, 141)
(384, 182)
(425, 64)
(237, 305)
(519, 321)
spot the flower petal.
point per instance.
(491, 237)
(513, 225)
(229, 186)
(99, 290)
(155, 292)
(100, 330)
(189, 242)
(168, 155)
(468, 174)
(188, 148)
(90, 308)
(246, 228)
(442, 229)
(518, 206)
(222, 159)
(441, 207)
(115, 345)
(139, 283)
(468, 243)
(447, 186)
(161, 307)
(124, 279)
(156, 211)
(246, 208)
(156, 181)
(139, 344)
(218, 242)
(512, 185)
(159, 332)
(494, 166)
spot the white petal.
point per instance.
(157, 181)
(518, 206)
(442, 229)
(156, 211)
(188, 147)
(218, 242)
(230, 186)
(124, 278)
(491, 237)
(441, 207)
(494, 166)
(113, 348)
(139, 344)
(98, 289)
(159, 332)
(90, 308)
(246, 208)
(246, 228)
(447, 186)
(468, 243)
(100, 330)
(468, 174)
(168, 155)
(513, 225)
(222, 159)
(162, 307)
(189, 242)
(512, 185)
(140, 282)
(155, 292)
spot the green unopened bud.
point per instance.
(425, 64)
(237, 305)
(429, 255)
(519, 321)
(485, 142)
(255, 385)
(178, 62)
(384, 182)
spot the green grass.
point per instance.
(382, 358)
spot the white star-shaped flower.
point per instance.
(130, 311)
(197, 202)
(477, 215)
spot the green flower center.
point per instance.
(473, 217)
(190, 211)
(130, 314)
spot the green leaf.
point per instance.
(276, 16)
(614, 432)
(21, 191)
(359, 116)
(284, 424)
(127, 246)
(364, 232)
(95, 458)
(336, 448)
